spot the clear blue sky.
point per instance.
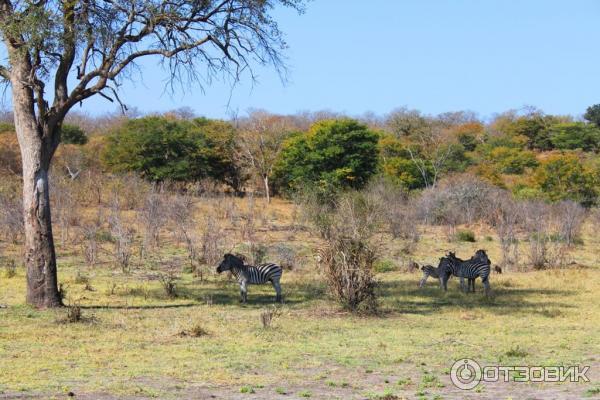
(434, 55)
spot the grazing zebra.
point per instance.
(477, 266)
(251, 275)
(428, 270)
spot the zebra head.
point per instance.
(481, 256)
(229, 261)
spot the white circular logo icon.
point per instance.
(465, 374)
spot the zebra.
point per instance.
(470, 281)
(428, 270)
(251, 275)
(477, 266)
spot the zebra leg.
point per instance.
(243, 292)
(277, 287)
(486, 286)
(423, 280)
(444, 282)
(462, 284)
(471, 285)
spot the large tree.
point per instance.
(61, 53)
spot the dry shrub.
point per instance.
(122, 236)
(349, 254)
(11, 215)
(569, 217)
(182, 221)
(537, 225)
(168, 282)
(196, 331)
(348, 265)
(548, 228)
(130, 189)
(268, 315)
(461, 199)
(64, 205)
(505, 216)
(152, 217)
(399, 210)
(89, 238)
(286, 256)
(212, 240)
(11, 269)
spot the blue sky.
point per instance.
(434, 55)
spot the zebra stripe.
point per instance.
(477, 266)
(252, 275)
(428, 270)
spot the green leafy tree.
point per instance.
(592, 114)
(332, 155)
(510, 160)
(565, 176)
(397, 166)
(161, 149)
(72, 134)
(575, 135)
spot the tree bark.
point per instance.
(266, 182)
(37, 144)
(40, 258)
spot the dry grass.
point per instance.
(134, 347)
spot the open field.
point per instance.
(134, 341)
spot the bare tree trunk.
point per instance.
(266, 182)
(37, 147)
(40, 258)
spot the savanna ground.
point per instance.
(134, 341)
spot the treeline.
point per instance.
(532, 154)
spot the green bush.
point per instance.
(161, 149)
(72, 134)
(384, 266)
(575, 135)
(332, 155)
(567, 177)
(465, 236)
(510, 160)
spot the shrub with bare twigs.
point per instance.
(152, 217)
(349, 253)
(122, 235)
(11, 216)
(569, 217)
(181, 216)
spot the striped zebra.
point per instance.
(477, 266)
(428, 270)
(251, 275)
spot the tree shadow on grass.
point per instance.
(405, 297)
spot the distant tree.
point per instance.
(72, 134)
(58, 54)
(592, 114)
(575, 135)
(397, 166)
(334, 154)
(404, 122)
(469, 135)
(534, 126)
(161, 148)
(565, 177)
(510, 160)
(260, 141)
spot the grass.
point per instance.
(134, 335)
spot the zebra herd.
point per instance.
(477, 266)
